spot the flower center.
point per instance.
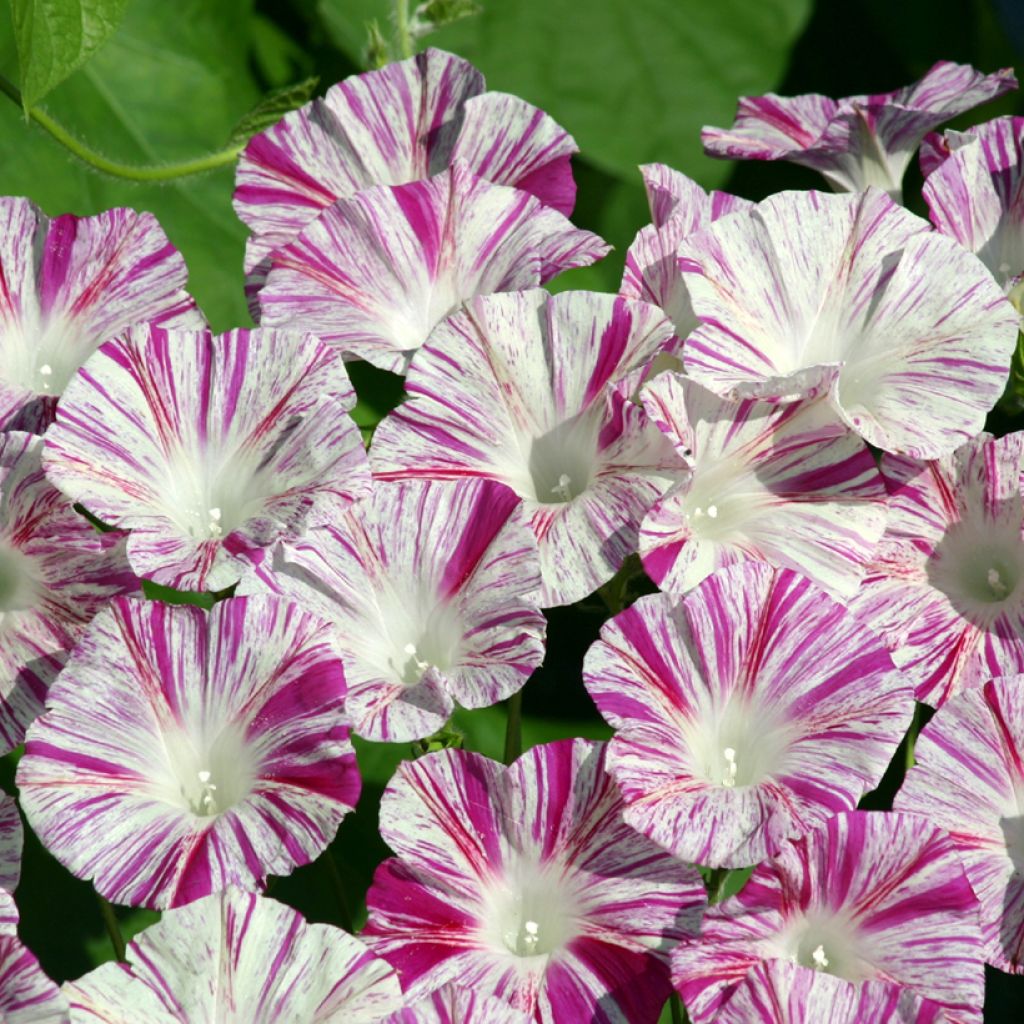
(206, 778)
(561, 462)
(42, 356)
(829, 944)
(18, 585)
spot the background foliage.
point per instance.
(148, 82)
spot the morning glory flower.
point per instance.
(56, 572)
(238, 958)
(866, 896)
(968, 778)
(208, 449)
(452, 1005)
(946, 587)
(525, 883)
(679, 207)
(374, 274)
(974, 194)
(184, 751)
(69, 284)
(785, 992)
(853, 297)
(432, 588)
(785, 484)
(857, 141)
(745, 714)
(401, 123)
(533, 391)
(27, 995)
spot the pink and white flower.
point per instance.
(452, 1005)
(69, 284)
(183, 751)
(525, 883)
(969, 779)
(27, 995)
(402, 123)
(745, 714)
(433, 589)
(857, 141)
(679, 207)
(374, 274)
(864, 897)
(238, 958)
(946, 588)
(853, 297)
(208, 449)
(785, 484)
(56, 572)
(533, 391)
(974, 194)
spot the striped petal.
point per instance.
(373, 275)
(853, 296)
(11, 840)
(946, 588)
(27, 995)
(432, 588)
(208, 448)
(857, 141)
(521, 389)
(866, 896)
(976, 196)
(783, 484)
(401, 123)
(745, 714)
(451, 1005)
(56, 572)
(679, 207)
(237, 958)
(182, 751)
(69, 284)
(780, 992)
(969, 779)
(525, 883)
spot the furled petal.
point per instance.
(56, 572)
(451, 1005)
(857, 141)
(11, 839)
(27, 995)
(68, 284)
(524, 882)
(745, 714)
(969, 779)
(905, 330)
(866, 896)
(976, 196)
(237, 958)
(208, 448)
(679, 207)
(946, 588)
(781, 992)
(401, 123)
(433, 588)
(784, 484)
(373, 275)
(184, 751)
(521, 389)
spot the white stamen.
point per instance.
(561, 489)
(996, 584)
(421, 666)
(214, 524)
(46, 370)
(713, 511)
(819, 958)
(207, 800)
(729, 779)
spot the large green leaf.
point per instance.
(55, 37)
(634, 82)
(170, 84)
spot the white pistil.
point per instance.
(214, 524)
(532, 936)
(46, 370)
(207, 800)
(819, 958)
(996, 584)
(713, 511)
(421, 666)
(729, 779)
(561, 490)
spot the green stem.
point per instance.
(915, 728)
(402, 34)
(514, 727)
(339, 890)
(164, 172)
(678, 1013)
(113, 928)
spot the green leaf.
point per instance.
(55, 37)
(633, 82)
(272, 108)
(170, 84)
